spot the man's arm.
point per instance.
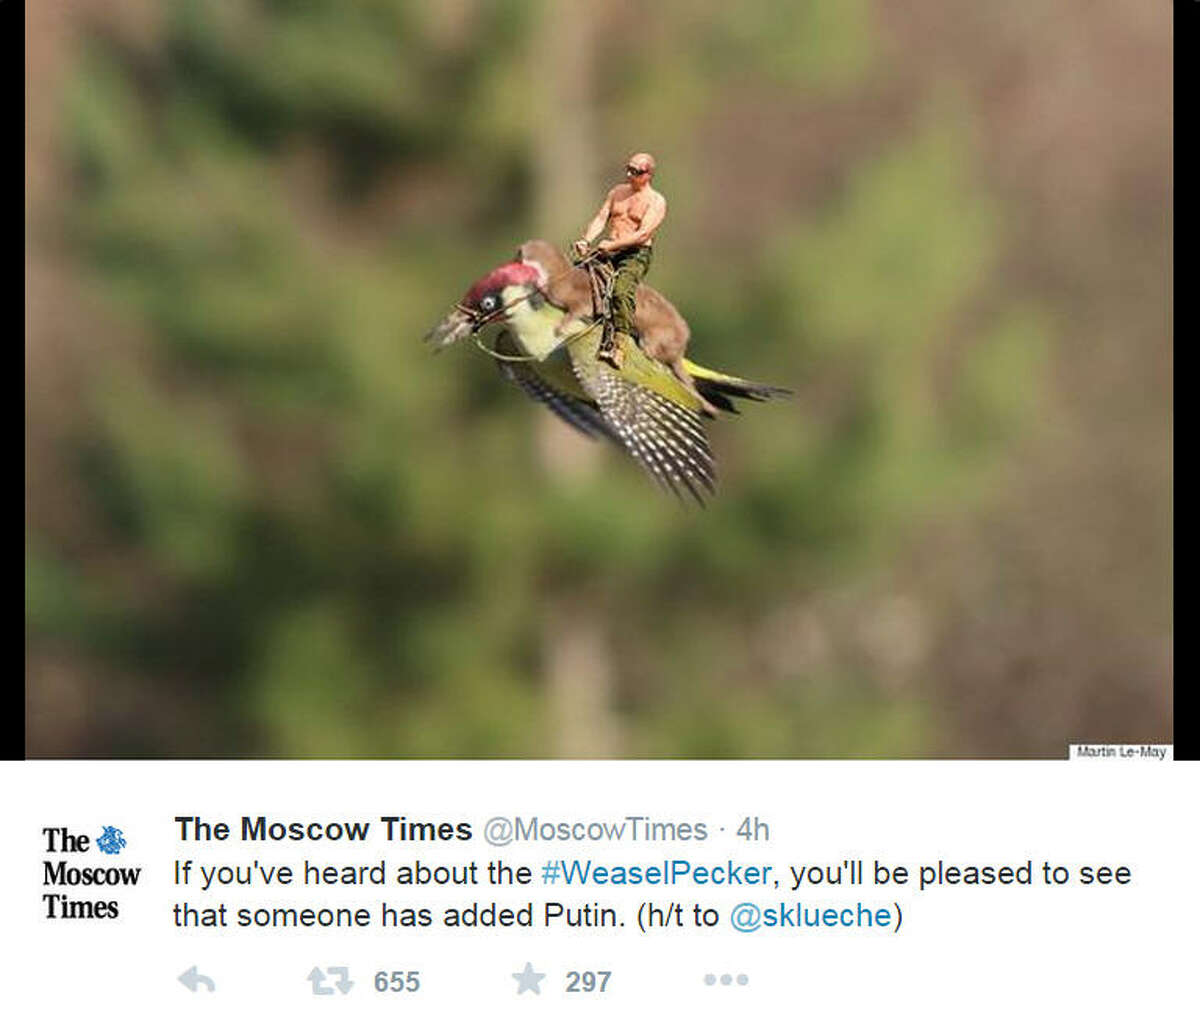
(596, 226)
(656, 212)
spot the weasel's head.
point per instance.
(545, 257)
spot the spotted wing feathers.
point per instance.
(667, 440)
(580, 414)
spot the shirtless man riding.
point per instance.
(632, 212)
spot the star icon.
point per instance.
(528, 980)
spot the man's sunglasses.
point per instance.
(634, 171)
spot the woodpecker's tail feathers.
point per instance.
(721, 388)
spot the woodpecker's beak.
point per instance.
(457, 324)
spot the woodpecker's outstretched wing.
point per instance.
(642, 407)
(537, 380)
(657, 427)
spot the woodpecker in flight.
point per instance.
(651, 407)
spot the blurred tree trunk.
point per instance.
(579, 681)
(564, 141)
(575, 651)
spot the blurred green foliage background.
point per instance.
(262, 520)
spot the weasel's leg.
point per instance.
(581, 310)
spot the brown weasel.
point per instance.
(663, 332)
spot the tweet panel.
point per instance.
(588, 893)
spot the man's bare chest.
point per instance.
(631, 207)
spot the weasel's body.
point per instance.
(662, 330)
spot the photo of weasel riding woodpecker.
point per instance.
(603, 350)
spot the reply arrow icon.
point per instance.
(192, 979)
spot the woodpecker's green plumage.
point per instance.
(642, 406)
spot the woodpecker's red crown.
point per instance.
(499, 278)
